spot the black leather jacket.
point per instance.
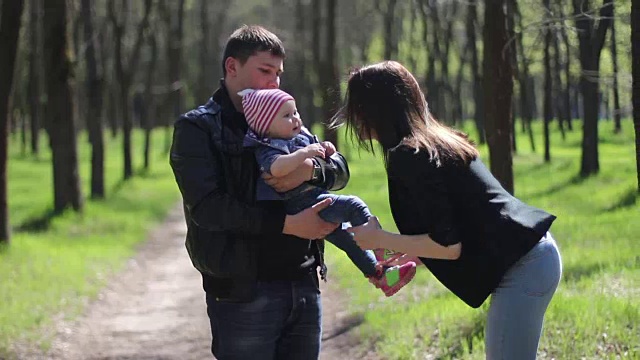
(217, 178)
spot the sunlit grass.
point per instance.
(52, 266)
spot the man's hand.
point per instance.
(293, 179)
(307, 224)
(329, 148)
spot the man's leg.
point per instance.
(303, 329)
(250, 330)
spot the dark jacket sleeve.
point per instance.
(335, 172)
(418, 177)
(196, 168)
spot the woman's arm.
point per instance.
(371, 236)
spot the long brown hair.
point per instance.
(385, 100)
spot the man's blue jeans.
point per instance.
(284, 321)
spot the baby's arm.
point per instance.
(284, 164)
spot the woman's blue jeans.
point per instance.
(518, 304)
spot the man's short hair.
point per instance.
(249, 40)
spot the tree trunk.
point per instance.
(635, 64)
(561, 113)
(35, 74)
(94, 95)
(548, 85)
(9, 33)
(471, 28)
(389, 18)
(524, 80)
(614, 58)
(148, 115)
(205, 81)
(59, 110)
(591, 41)
(566, 93)
(331, 89)
(498, 90)
(124, 74)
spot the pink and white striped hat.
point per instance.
(260, 107)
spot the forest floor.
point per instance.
(155, 309)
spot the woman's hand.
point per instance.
(367, 235)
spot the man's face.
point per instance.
(260, 71)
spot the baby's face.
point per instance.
(287, 123)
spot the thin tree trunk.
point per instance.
(94, 113)
(498, 90)
(471, 28)
(566, 93)
(331, 89)
(125, 74)
(635, 64)
(59, 110)
(9, 33)
(548, 86)
(35, 74)
(561, 114)
(206, 78)
(614, 58)
(149, 115)
(524, 80)
(591, 42)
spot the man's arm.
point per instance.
(196, 170)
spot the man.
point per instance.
(258, 266)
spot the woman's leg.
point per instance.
(518, 305)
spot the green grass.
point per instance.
(595, 313)
(52, 266)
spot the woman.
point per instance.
(441, 194)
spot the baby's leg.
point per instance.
(364, 260)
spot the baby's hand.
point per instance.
(314, 150)
(329, 147)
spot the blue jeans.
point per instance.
(344, 208)
(518, 304)
(282, 322)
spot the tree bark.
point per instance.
(35, 74)
(498, 90)
(617, 116)
(635, 64)
(548, 85)
(9, 33)
(331, 87)
(525, 82)
(471, 28)
(125, 73)
(94, 95)
(591, 39)
(60, 107)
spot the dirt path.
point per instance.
(155, 309)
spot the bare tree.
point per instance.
(614, 58)
(35, 73)
(591, 35)
(330, 81)
(635, 63)
(471, 28)
(548, 84)
(60, 107)
(94, 94)
(9, 32)
(126, 69)
(498, 91)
